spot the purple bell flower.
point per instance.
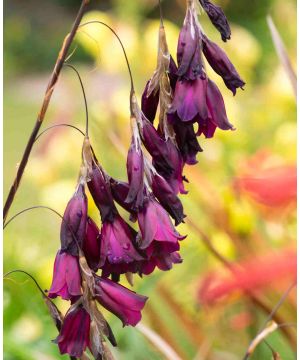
(149, 103)
(189, 101)
(99, 187)
(119, 190)
(189, 48)
(218, 18)
(74, 336)
(118, 253)
(167, 198)
(219, 61)
(155, 225)
(135, 171)
(72, 231)
(66, 277)
(91, 244)
(124, 303)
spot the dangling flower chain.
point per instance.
(185, 96)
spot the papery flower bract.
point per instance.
(218, 18)
(219, 61)
(118, 253)
(91, 244)
(99, 187)
(155, 225)
(74, 336)
(66, 277)
(73, 226)
(135, 171)
(124, 303)
(167, 198)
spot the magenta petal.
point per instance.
(74, 336)
(135, 171)
(122, 302)
(91, 244)
(74, 223)
(117, 243)
(216, 107)
(66, 277)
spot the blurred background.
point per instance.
(241, 202)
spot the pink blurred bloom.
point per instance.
(251, 275)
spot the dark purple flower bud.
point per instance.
(190, 100)
(216, 107)
(119, 190)
(167, 198)
(74, 336)
(149, 103)
(91, 244)
(172, 73)
(155, 225)
(188, 49)
(118, 253)
(135, 171)
(156, 146)
(219, 61)
(124, 303)
(99, 187)
(186, 140)
(66, 277)
(175, 178)
(73, 226)
(218, 18)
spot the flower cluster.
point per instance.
(155, 163)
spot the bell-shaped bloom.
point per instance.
(122, 302)
(218, 18)
(189, 101)
(99, 187)
(149, 103)
(186, 140)
(135, 171)
(66, 277)
(73, 226)
(167, 198)
(160, 255)
(188, 49)
(221, 64)
(155, 225)
(74, 336)
(91, 244)
(216, 107)
(118, 253)
(175, 178)
(157, 147)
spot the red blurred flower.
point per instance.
(267, 184)
(250, 275)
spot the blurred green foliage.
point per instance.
(264, 115)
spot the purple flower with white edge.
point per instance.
(66, 281)
(155, 225)
(91, 244)
(74, 336)
(221, 64)
(72, 231)
(124, 303)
